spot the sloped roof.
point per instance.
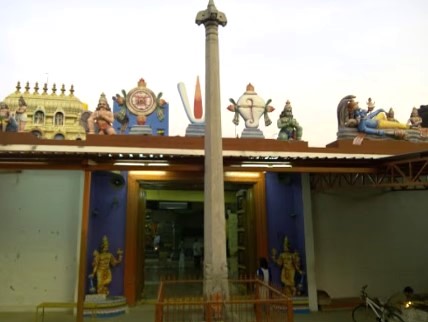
(22, 150)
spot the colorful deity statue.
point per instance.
(21, 114)
(368, 121)
(7, 122)
(102, 118)
(415, 121)
(288, 125)
(102, 262)
(390, 116)
(290, 265)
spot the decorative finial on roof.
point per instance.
(45, 89)
(71, 90)
(54, 90)
(62, 90)
(250, 87)
(142, 83)
(18, 88)
(287, 106)
(36, 89)
(27, 88)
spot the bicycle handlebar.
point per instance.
(363, 291)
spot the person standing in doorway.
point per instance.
(197, 253)
(264, 274)
(181, 257)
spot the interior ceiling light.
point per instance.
(142, 164)
(148, 173)
(138, 164)
(264, 165)
(242, 174)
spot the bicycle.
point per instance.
(372, 310)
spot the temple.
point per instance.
(327, 202)
(98, 206)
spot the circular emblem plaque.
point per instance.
(141, 101)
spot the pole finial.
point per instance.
(211, 15)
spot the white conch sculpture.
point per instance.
(251, 107)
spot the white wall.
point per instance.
(370, 237)
(39, 221)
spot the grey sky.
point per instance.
(311, 52)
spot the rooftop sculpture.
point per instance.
(288, 125)
(46, 115)
(356, 122)
(251, 107)
(7, 121)
(101, 120)
(196, 117)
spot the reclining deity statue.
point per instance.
(369, 121)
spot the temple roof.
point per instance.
(131, 152)
(39, 97)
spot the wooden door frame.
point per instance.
(256, 179)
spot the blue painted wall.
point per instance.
(107, 216)
(285, 217)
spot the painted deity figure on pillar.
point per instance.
(101, 266)
(290, 265)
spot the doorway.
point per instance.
(165, 219)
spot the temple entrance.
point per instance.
(169, 229)
(174, 232)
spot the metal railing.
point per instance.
(248, 300)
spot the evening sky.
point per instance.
(311, 52)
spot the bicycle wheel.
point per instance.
(362, 313)
(394, 317)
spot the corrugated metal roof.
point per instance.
(19, 149)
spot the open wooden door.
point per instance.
(141, 245)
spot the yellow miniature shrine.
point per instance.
(49, 116)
